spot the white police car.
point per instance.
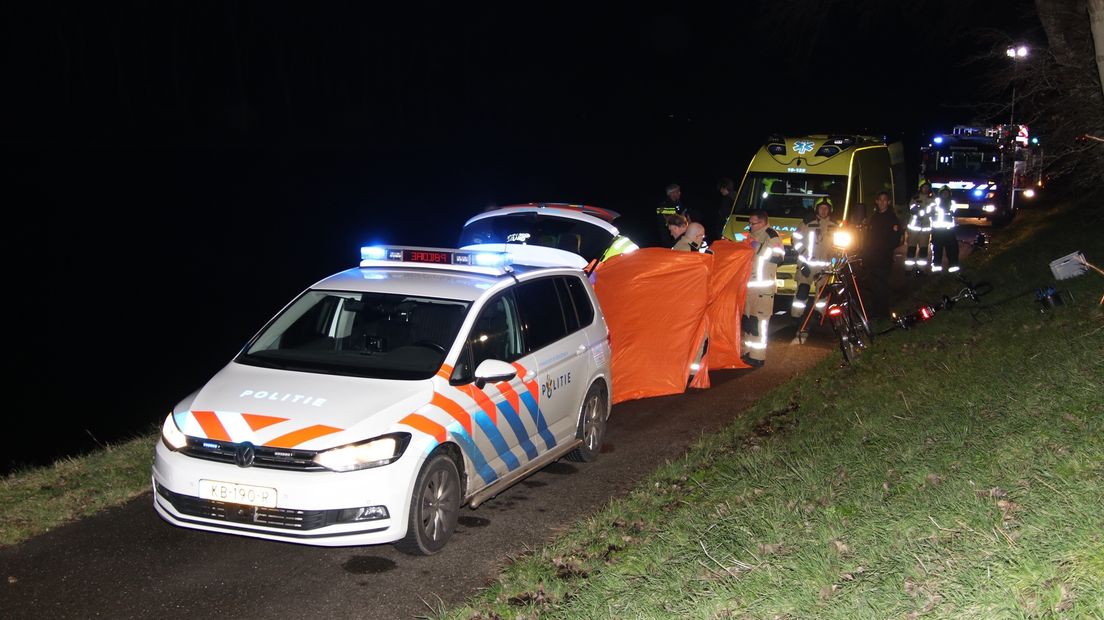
(385, 397)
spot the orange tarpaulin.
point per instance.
(727, 292)
(659, 304)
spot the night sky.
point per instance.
(177, 171)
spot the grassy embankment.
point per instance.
(36, 500)
(956, 471)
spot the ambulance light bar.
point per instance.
(377, 255)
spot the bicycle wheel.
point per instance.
(858, 316)
(842, 326)
(860, 327)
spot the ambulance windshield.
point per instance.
(789, 194)
(374, 335)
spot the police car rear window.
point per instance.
(583, 307)
(578, 237)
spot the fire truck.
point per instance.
(988, 170)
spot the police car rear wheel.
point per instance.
(592, 425)
(434, 507)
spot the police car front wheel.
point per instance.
(434, 507)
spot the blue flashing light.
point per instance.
(490, 259)
(1034, 140)
(373, 252)
(938, 139)
(979, 193)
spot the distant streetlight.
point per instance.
(1016, 53)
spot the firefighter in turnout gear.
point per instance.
(944, 238)
(759, 306)
(813, 244)
(918, 235)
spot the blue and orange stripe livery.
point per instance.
(227, 426)
(483, 413)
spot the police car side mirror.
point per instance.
(493, 371)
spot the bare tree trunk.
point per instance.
(1096, 24)
(1063, 22)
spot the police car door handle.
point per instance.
(581, 349)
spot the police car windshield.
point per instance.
(575, 236)
(376, 335)
(788, 195)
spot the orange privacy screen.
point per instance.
(659, 303)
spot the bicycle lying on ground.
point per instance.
(969, 292)
(839, 302)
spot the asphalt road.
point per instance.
(128, 563)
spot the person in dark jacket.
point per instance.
(671, 205)
(727, 190)
(882, 235)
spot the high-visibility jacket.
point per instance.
(920, 213)
(620, 245)
(769, 254)
(942, 215)
(813, 242)
(669, 207)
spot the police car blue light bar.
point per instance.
(374, 255)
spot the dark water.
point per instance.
(135, 274)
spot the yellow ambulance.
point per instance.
(789, 175)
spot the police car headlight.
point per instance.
(989, 208)
(841, 239)
(362, 455)
(171, 435)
